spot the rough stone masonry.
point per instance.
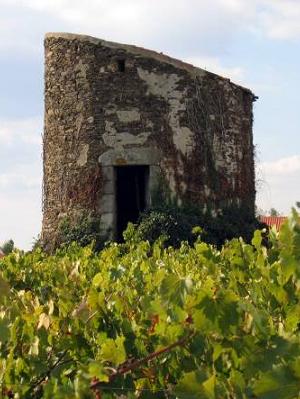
(123, 124)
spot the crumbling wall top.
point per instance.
(140, 51)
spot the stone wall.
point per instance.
(193, 128)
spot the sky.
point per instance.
(255, 43)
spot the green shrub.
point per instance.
(176, 225)
(84, 231)
(173, 226)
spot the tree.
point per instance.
(8, 247)
(274, 212)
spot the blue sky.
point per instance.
(255, 43)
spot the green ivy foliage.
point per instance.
(141, 320)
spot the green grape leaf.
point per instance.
(98, 280)
(4, 288)
(279, 383)
(209, 387)
(174, 289)
(96, 370)
(34, 348)
(44, 321)
(113, 350)
(257, 239)
(195, 385)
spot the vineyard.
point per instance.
(141, 320)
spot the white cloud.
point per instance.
(278, 184)
(20, 180)
(20, 203)
(160, 24)
(28, 131)
(20, 218)
(276, 18)
(284, 166)
(22, 177)
(281, 19)
(213, 64)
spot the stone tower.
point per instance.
(123, 124)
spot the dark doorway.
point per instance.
(131, 195)
(121, 65)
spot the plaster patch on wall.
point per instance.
(172, 182)
(165, 86)
(240, 154)
(183, 186)
(207, 191)
(170, 176)
(162, 85)
(83, 155)
(78, 124)
(81, 69)
(149, 124)
(225, 156)
(114, 139)
(109, 136)
(183, 139)
(109, 128)
(127, 116)
(110, 111)
(125, 138)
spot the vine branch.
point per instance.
(125, 368)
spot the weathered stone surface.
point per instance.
(193, 128)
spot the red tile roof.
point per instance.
(273, 220)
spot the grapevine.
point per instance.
(140, 320)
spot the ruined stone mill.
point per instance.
(123, 123)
